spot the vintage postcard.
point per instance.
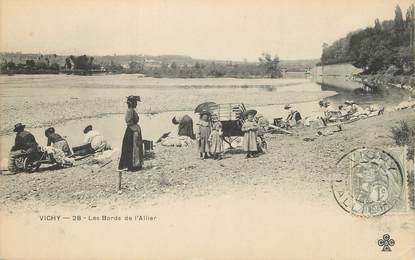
(185, 129)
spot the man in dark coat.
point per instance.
(185, 126)
(24, 143)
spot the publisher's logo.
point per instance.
(386, 242)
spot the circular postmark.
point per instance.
(367, 182)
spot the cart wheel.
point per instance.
(30, 166)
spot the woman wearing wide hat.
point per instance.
(250, 128)
(132, 155)
(57, 141)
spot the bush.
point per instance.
(405, 135)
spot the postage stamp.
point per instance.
(370, 181)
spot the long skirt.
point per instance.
(203, 144)
(217, 143)
(249, 141)
(58, 155)
(132, 155)
(63, 146)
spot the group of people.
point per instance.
(327, 113)
(57, 146)
(209, 134)
(349, 110)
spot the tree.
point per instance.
(54, 66)
(68, 63)
(378, 27)
(30, 63)
(398, 21)
(82, 62)
(271, 65)
(135, 66)
(10, 65)
(410, 14)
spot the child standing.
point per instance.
(216, 141)
(250, 128)
(203, 133)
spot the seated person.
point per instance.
(58, 155)
(24, 143)
(344, 111)
(57, 141)
(185, 126)
(294, 117)
(97, 141)
(354, 109)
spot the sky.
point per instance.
(208, 29)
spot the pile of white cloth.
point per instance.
(177, 141)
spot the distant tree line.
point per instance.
(267, 66)
(41, 65)
(82, 62)
(387, 46)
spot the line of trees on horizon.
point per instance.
(267, 66)
(387, 47)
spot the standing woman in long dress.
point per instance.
(203, 133)
(132, 144)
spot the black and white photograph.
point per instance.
(185, 129)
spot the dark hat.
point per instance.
(49, 130)
(133, 98)
(87, 129)
(250, 111)
(287, 106)
(174, 121)
(18, 127)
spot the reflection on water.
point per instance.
(386, 96)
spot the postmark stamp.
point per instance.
(368, 182)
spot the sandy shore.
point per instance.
(291, 165)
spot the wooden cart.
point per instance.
(231, 117)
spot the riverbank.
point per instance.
(345, 76)
(292, 166)
(384, 80)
